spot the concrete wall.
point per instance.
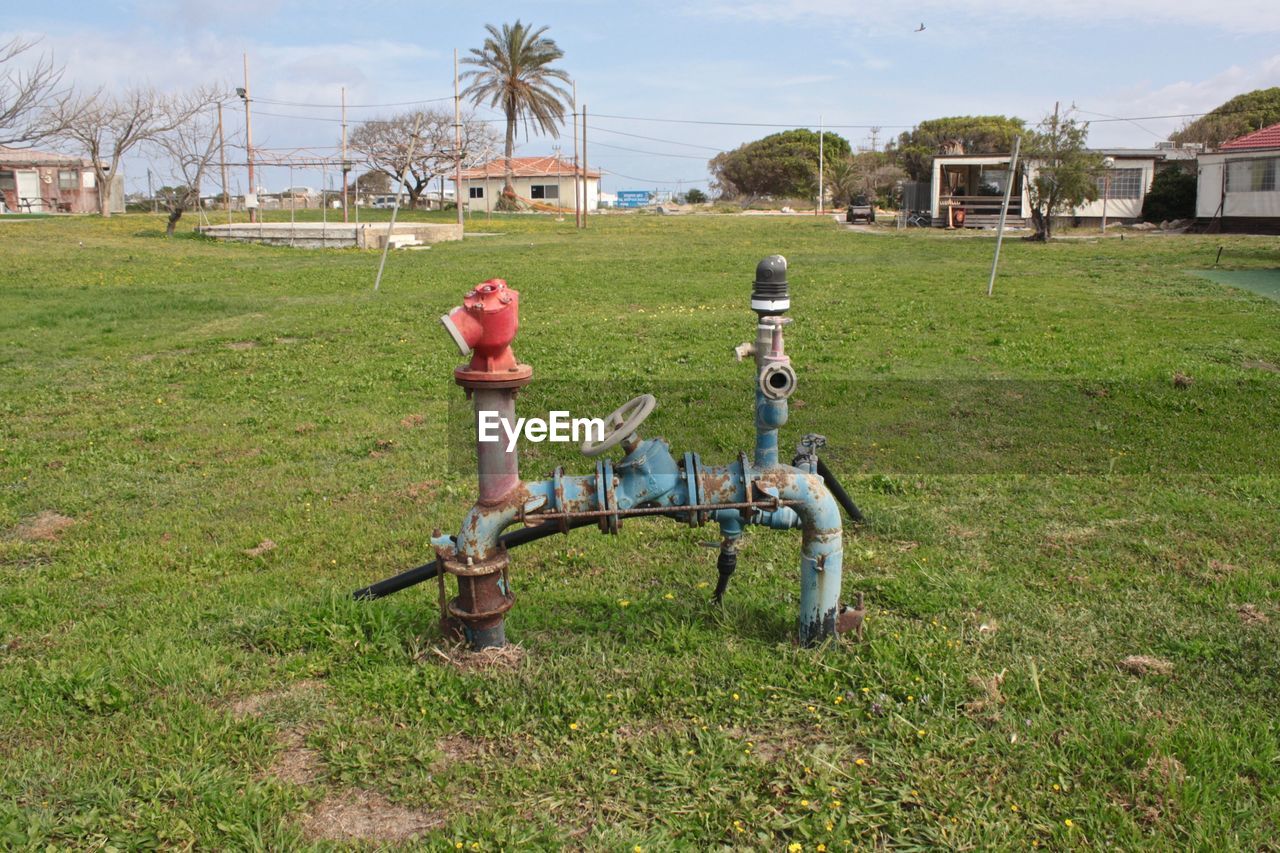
(316, 235)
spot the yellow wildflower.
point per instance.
(573, 727)
(795, 847)
(1067, 823)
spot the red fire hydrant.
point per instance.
(484, 325)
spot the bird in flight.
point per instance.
(920, 28)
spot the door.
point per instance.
(29, 198)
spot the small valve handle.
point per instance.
(812, 441)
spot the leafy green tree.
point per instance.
(695, 196)
(514, 72)
(867, 173)
(782, 164)
(914, 150)
(1066, 173)
(1172, 196)
(1238, 116)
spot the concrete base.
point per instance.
(319, 235)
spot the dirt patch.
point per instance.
(460, 748)
(506, 659)
(1182, 380)
(48, 526)
(1252, 615)
(1221, 568)
(1146, 665)
(286, 340)
(1164, 769)
(1260, 364)
(411, 421)
(987, 705)
(252, 706)
(296, 764)
(355, 815)
(425, 489)
(304, 428)
(261, 548)
(241, 346)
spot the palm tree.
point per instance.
(513, 70)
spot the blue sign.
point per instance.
(633, 198)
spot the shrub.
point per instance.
(1172, 196)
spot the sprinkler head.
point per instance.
(769, 293)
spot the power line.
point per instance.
(652, 153)
(650, 180)
(749, 123)
(350, 106)
(655, 139)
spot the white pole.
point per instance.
(1004, 209)
(413, 142)
(457, 144)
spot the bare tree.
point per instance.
(106, 127)
(189, 149)
(385, 145)
(26, 93)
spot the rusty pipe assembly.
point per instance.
(647, 481)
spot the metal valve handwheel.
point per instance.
(621, 424)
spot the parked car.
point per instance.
(860, 208)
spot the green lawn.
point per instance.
(1043, 502)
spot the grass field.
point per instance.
(1043, 502)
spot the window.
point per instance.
(1255, 175)
(68, 180)
(475, 192)
(544, 191)
(7, 182)
(1125, 183)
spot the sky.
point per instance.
(668, 85)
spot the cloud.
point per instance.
(1250, 17)
(1177, 98)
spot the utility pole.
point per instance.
(222, 155)
(248, 144)
(345, 167)
(875, 132)
(150, 191)
(457, 141)
(577, 207)
(586, 181)
(817, 211)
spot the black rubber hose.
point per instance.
(838, 492)
(404, 580)
(427, 571)
(726, 566)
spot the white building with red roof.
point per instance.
(541, 182)
(1239, 184)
